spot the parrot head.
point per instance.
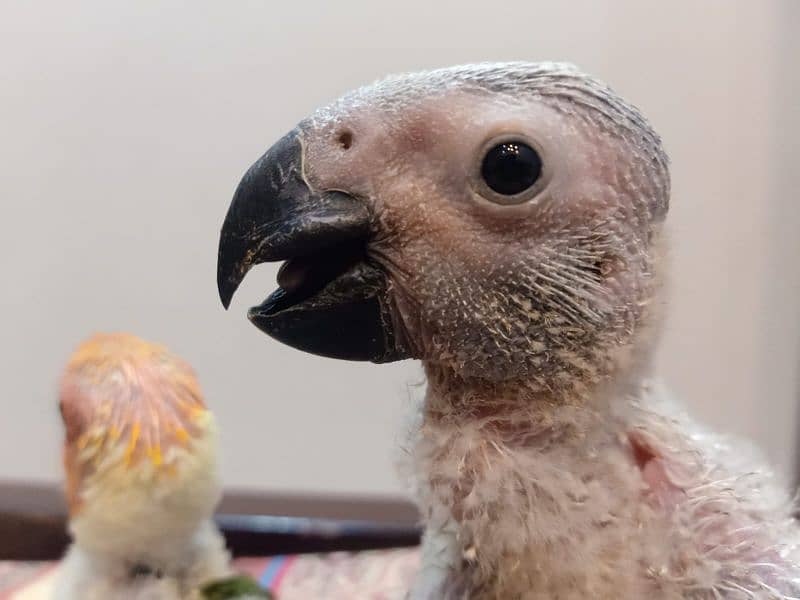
(140, 444)
(499, 221)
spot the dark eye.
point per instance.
(511, 167)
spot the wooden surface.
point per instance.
(33, 523)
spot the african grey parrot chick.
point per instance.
(503, 223)
(141, 476)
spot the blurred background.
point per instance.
(125, 127)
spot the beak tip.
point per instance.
(226, 302)
(226, 289)
(230, 270)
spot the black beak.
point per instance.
(331, 301)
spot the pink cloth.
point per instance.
(372, 575)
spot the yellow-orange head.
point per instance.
(133, 414)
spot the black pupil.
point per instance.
(511, 167)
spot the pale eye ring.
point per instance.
(511, 170)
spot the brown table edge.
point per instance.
(33, 523)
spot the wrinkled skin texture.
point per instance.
(547, 464)
(515, 292)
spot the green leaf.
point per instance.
(237, 586)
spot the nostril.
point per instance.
(345, 139)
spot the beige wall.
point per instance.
(126, 126)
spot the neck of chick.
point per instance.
(174, 554)
(519, 476)
(161, 546)
(154, 516)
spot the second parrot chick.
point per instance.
(141, 475)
